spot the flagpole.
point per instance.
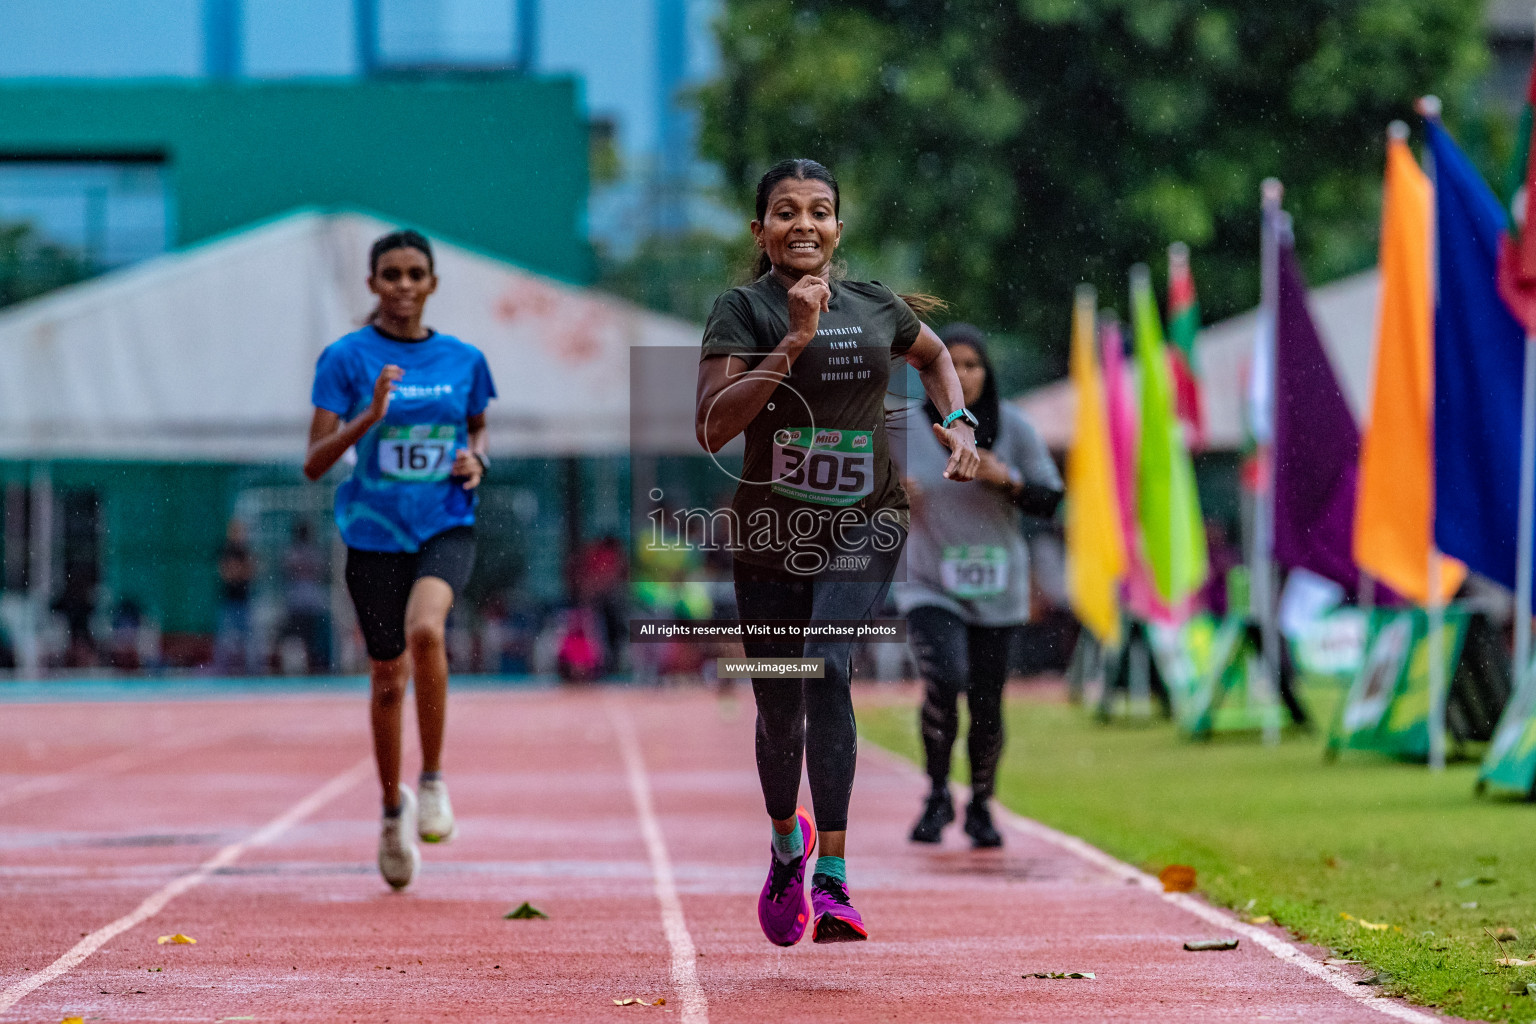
(1429, 107)
(1437, 680)
(1262, 591)
(1523, 542)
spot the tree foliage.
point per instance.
(999, 152)
(31, 265)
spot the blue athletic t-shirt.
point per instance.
(400, 492)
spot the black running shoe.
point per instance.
(938, 811)
(978, 825)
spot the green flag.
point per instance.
(1167, 503)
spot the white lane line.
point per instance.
(685, 973)
(157, 901)
(1223, 919)
(111, 764)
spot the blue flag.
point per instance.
(1479, 367)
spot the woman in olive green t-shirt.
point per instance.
(799, 362)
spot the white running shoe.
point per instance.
(398, 856)
(436, 824)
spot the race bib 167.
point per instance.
(420, 452)
(835, 467)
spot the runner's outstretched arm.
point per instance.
(931, 360)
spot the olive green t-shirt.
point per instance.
(820, 442)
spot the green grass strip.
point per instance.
(1278, 832)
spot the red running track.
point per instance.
(632, 818)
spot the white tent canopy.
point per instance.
(1345, 314)
(208, 354)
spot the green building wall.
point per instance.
(497, 161)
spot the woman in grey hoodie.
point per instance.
(967, 583)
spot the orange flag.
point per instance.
(1394, 514)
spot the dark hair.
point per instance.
(402, 239)
(986, 409)
(803, 169)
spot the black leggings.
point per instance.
(954, 658)
(808, 720)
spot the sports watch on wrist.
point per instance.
(961, 413)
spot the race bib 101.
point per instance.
(974, 571)
(420, 452)
(833, 467)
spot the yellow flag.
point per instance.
(1095, 546)
(1394, 524)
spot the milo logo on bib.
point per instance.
(825, 467)
(972, 571)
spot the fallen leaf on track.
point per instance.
(637, 1001)
(73, 1020)
(1372, 925)
(525, 912)
(1261, 919)
(1204, 945)
(1177, 878)
(1061, 974)
(178, 940)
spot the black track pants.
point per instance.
(954, 658)
(808, 721)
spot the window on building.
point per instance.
(447, 34)
(107, 212)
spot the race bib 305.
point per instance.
(833, 467)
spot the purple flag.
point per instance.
(1317, 445)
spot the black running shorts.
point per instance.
(380, 583)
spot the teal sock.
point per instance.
(832, 867)
(787, 848)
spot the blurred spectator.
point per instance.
(581, 656)
(135, 641)
(1224, 556)
(597, 583)
(77, 603)
(507, 636)
(306, 599)
(233, 652)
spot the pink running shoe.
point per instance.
(781, 907)
(836, 920)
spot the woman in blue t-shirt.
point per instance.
(412, 402)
